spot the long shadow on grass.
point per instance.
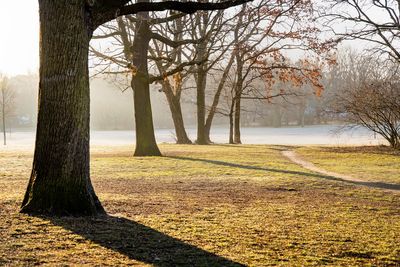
(140, 242)
(381, 185)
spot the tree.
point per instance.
(60, 181)
(7, 97)
(369, 96)
(263, 34)
(376, 22)
(166, 34)
(208, 27)
(145, 139)
(171, 42)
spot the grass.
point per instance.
(370, 163)
(211, 206)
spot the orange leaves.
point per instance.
(293, 75)
(312, 72)
(132, 69)
(177, 77)
(176, 82)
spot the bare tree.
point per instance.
(166, 44)
(7, 98)
(264, 30)
(60, 179)
(376, 22)
(369, 96)
(210, 29)
(172, 42)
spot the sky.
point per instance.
(19, 37)
(19, 31)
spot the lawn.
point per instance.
(369, 163)
(214, 205)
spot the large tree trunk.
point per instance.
(201, 107)
(201, 95)
(176, 112)
(60, 182)
(146, 144)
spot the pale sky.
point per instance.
(19, 37)
(19, 33)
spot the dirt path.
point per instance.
(292, 156)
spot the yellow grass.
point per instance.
(208, 206)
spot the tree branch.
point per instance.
(109, 11)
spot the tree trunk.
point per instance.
(201, 96)
(231, 121)
(176, 112)
(217, 95)
(3, 104)
(60, 182)
(237, 139)
(201, 108)
(146, 144)
(238, 96)
(302, 113)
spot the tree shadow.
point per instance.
(380, 185)
(233, 145)
(140, 242)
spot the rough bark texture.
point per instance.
(146, 144)
(201, 83)
(201, 107)
(60, 182)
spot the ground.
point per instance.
(214, 205)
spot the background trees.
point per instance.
(7, 104)
(369, 95)
(164, 53)
(200, 51)
(367, 82)
(376, 22)
(60, 179)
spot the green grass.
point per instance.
(367, 163)
(210, 205)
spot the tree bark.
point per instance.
(214, 105)
(231, 121)
(201, 95)
(237, 139)
(238, 94)
(201, 108)
(146, 144)
(176, 112)
(60, 182)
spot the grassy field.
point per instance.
(370, 163)
(214, 205)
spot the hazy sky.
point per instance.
(19, 36)
(19, 31)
